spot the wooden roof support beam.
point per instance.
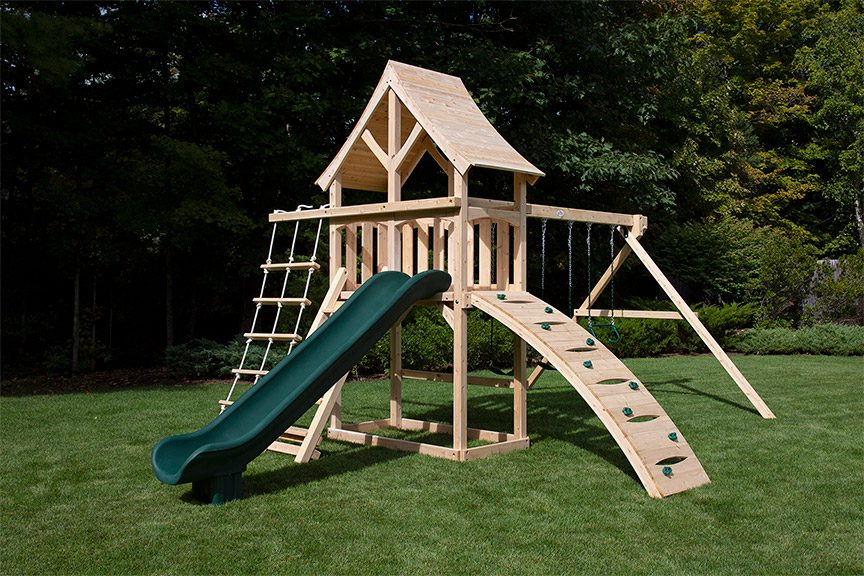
(415, 135)
(376, 149)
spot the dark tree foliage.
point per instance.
(144, 143)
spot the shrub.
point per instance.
(202, 358)
(829, 339)
(648, 337)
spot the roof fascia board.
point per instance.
(378, 95)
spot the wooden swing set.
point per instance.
(482, 244)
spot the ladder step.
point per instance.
(274, 301)
(292, 266)
(249, 372)
(279, 337)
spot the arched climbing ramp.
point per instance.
(658, 452)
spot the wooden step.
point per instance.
(249, 372)
(292, 266)
(275, 301)
(276, 337)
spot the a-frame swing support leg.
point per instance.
(700, 329)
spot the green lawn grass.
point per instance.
(78, 496)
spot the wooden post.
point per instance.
(459, 267)
(700, 329)
(520, 388)
(393, 244)
(335, 235)
(520, 240)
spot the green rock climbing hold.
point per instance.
(627, 411)
(667, 470)
(673, 436)
(545, 326)
(502, 296)
(589, 342)
(586, 364)
(548, 310)
(634, 386)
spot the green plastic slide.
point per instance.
(214, 457)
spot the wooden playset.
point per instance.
(482, 244)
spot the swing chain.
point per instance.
(614, 335)
(543, 222)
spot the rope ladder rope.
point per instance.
(279, 304)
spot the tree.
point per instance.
(834, 64)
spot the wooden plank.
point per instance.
(498, 448)
(593, 216)
(485, 254)
(476, 213)
(459, 266)
(392, 443)
(422, 248)
(447, 313)
(292, 266)
(502, 256)
(439, 252)
(351, 256)
(248, 372)
(606, 277)
(606, 313)
(413, 138)
(470, 251)
(368, 426)
(376, 149)
(291, 449)
(366, 259)
(520, 241)
(316, 427)
(334, 234)
(276, 301)
(438, 428)
(408, 249)
(383, 233)
(274, 337)
(520, 388)
(700, 329)
(396, 375)
(375, 212)
(473, 380)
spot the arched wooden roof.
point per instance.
(445, 112)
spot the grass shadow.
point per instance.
(683, 388)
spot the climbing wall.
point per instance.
(652, 443)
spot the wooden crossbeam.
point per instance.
(606, 313)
